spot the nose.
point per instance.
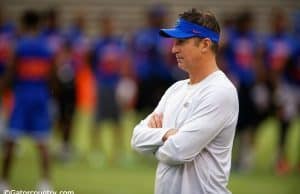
(175, 48)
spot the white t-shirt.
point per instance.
(197, 159)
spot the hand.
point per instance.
(156, 120)
(169, 133)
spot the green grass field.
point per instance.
(135, 175)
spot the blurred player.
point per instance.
(30, 74)
(149, 55)
(240, 52)
(66, 98)
(74, 59)
(7, 40)
(293, 73)
(65, 92)
(109, 58)
(279, 50)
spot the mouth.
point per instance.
(179, 59)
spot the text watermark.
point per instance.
(36, 192)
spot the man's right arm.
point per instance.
(148, 135)
(145, 139)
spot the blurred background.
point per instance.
(98, 67)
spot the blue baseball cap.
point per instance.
(186, 29)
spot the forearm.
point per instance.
(147, 140)
(171, 154)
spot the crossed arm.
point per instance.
(178, 146)
(156, 122)
(149, 134)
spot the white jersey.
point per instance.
(197, 159)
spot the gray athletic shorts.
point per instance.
(107, 106)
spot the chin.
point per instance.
(182, 66)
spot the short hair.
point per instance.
(30, 19)
(206, 19)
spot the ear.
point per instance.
(205, 44)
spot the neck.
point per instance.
(203, 70)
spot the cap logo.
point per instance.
(195, 31)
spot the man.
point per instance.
(278, 54)
(30, 74)
(64, 98)
(191, 130)
(109, 58)
(240, 58)
(7, 40)
(152, 66)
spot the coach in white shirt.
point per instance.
(191, 130)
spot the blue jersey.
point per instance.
(73, 33)
(109, 55)
(292, 72)
(30, 114)
(54, 39)
(80, 46)
(7, 36)
(148, 52)
(240, 57)
(33, 66)
(279, 51)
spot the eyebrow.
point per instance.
(181, 40)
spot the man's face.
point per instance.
(188, 52)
